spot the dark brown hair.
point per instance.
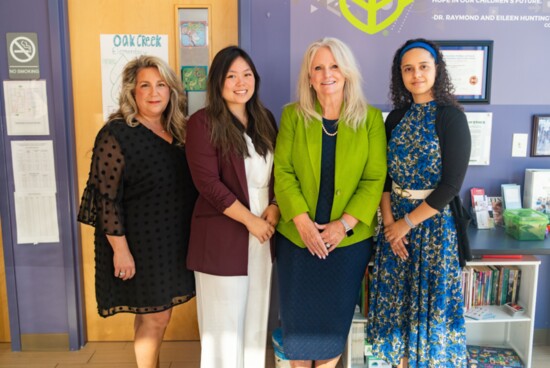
(227, 131)
(442, 89)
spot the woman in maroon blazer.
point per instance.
(230, 153)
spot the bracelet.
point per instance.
(274, 202)
(408, 221)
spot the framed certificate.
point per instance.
(540, 144)
(469, 65)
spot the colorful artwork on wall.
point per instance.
(194, 77)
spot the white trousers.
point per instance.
(233, 311)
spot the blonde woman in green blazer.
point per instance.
(330, 168)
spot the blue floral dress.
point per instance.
(416, 305)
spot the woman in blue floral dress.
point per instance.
(416, 306)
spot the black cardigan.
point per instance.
(455, 143)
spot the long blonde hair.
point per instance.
(173, 118)
(355, 104)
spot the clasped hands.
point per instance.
(320, 239)
(263, 227)
(396, 234)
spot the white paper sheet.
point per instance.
(26, 107)
(36, 217)
(33, 166)
(480, 124)
(466, 70)
(35, 192)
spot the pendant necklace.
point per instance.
(148, 126)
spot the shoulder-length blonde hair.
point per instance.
(173, 118)
(355, 104)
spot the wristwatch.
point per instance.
(349, 230)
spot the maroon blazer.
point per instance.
(218, 245)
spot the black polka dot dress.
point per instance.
(140, 187)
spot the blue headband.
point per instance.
(419, 44)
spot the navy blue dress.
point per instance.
(318, 296)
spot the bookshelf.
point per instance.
(503, 330)
(359, 321)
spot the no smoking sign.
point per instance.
(23, 55)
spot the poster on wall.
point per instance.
(480, 124)
(26, 107)
(374, 31)
(35, 192)
(116, 51)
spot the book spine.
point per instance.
(510, 285)
(496, 278)
(504, 286)
(515, 290)
(499, 287)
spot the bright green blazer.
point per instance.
(360, 172)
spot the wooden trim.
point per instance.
(44, 342)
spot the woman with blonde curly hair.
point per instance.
(139, 197)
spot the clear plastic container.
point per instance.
(525, 224)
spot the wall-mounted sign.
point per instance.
(23, 55)
(480, 124)
(26, 107)
(116, 51)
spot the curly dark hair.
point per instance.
(442, 89)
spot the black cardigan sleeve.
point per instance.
(455, 142)
(392, 120)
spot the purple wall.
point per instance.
(281, 32)
(270, 38)
(34, 263)
(43, 280)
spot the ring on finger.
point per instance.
(327, 245)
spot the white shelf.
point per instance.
(500, 316)
(504, 330)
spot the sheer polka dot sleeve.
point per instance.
(101, 202)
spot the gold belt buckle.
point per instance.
(402, 192)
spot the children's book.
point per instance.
(511, 196)
(536, 193)
(479, 313)
(497, 209)
(481, 207)
(489, 357)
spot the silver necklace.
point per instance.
(148, 126)
(326, 131)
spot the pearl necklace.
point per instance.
(326, 131)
